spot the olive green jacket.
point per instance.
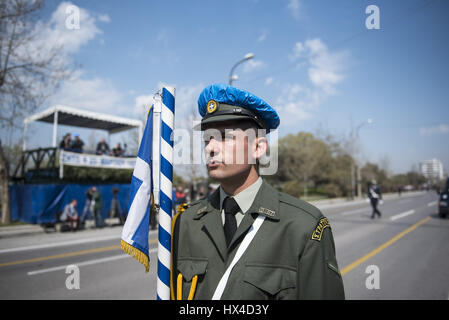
(292, 256)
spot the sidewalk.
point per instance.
(31, 229)
(341, 202)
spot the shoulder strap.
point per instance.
(240, 251)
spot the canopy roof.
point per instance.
(83, 118)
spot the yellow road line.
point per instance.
(64, 255)
(383, 246)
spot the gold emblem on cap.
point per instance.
(212, 105)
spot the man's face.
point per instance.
(229, 150)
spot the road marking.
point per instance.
(430, 204)
(59, 256)
(84, 263)
(65, 255)
(347, 213)
(383, 246)
(61, 244)
(402, 215)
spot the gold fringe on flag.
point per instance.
(136, 253)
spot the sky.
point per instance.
(315, 62)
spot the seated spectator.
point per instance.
(117, 151)
(77, 145)
(103, 147)
(70, 215)
(66, 143)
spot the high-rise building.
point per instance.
(431, 169)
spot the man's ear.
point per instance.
(260, 147)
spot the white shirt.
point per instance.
(244, 199)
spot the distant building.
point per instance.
(432, 169)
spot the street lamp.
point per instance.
(232, 77)
(359, 186)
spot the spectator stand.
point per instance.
(38, 179)
(41, 163)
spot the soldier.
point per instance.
(247, 240)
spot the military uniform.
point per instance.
(292, 255)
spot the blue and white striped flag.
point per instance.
(136, 229)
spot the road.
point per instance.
(402, 255)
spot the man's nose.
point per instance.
(212, 147)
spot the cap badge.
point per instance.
(212, 106)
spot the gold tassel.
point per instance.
(179, 209)
(136, 254)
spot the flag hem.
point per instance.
(140, 256)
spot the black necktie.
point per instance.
(231, 208)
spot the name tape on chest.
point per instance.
(322, 224)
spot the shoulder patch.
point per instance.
(322, 224)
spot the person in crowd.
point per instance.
(70, 215)
(180, 195)
(95, 205)
(116, 209)
(102, 148)
(88, 208)
(77, 144)
(66, 142)
(117, 151)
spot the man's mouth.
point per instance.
(213, 163)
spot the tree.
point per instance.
(30, 71)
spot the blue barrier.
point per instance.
(39, 203)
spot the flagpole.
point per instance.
(157, 108)
(166, 185)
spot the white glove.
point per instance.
(381, 202)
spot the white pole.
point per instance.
(25, 127)
(55, 127)
(156, 148)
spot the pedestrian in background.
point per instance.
(375, 196)
(96, 204)
(70, 215)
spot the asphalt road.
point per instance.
(402, 255)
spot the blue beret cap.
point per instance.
(215, 101)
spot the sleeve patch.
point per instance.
(322, 224)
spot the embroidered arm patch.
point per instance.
(322, 224)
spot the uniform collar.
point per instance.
(266, 202)
(244, 198)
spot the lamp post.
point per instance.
(232, 77)
(354, 139)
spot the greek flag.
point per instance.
(136, 229)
